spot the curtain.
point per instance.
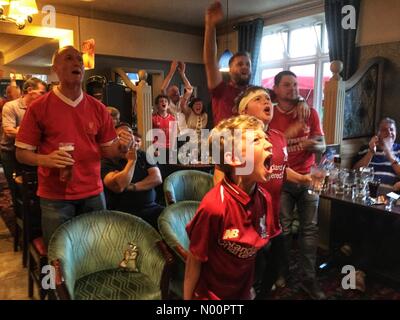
(342, 42)
(250, 34)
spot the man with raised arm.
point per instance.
(223, 93)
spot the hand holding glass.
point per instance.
(317, 179)
(66, 173)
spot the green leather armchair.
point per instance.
(171, 224)
(187, 185)
(89, 249)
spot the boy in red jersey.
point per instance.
(163, 120)
(255, 101)
(235, 219)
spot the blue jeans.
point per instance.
(56, 212)
(307, 207)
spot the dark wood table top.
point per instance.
(360, 203)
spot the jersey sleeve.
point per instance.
(29, 133)
(201, 233)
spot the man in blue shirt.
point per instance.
(383, 154)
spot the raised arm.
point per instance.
(118, 181)
(186, 82)
(167, 79)
(214, 15)
(119, 147)
(366, 159)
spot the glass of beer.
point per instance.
(373, 188)
(66, 173)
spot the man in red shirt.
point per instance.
(67, 115)
(234, 219)
(304, 137)
(223, 93)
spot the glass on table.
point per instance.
(340, 182)
(373, 186)
(350, 182)
(317, 179)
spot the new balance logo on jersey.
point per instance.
(231, 234)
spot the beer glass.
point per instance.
(66, 173)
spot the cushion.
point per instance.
(116, 284)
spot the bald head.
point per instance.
(13, 92)
(68, 65)
(58, 53)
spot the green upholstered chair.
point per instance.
(171, 224)
(187, 185)
(89, 249)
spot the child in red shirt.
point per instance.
(161, 120)
(234, 219)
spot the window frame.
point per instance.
(318, 59)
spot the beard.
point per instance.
(241, 80)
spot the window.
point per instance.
(42, 77)
(300, 46)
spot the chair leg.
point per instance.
(30, 276)
(25, 251)
(16, 237)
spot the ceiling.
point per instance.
(179, 15)
(188, 13)
(12, 41)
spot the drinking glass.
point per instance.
(342, 175)
(317, 179)
(373, 186)
(66, 173)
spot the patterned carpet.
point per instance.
(330, 279)
(6, 209)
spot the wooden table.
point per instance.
(344, 212)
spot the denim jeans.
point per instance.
(56, 212)
(307, 207)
